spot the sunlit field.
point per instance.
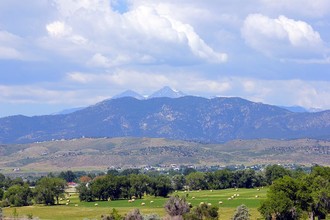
(93, 210)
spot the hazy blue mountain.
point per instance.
(187, 118)
(166, 92)
(68, 111)
(300, 109)
(315, 110)
(128, 93)
(295, 108)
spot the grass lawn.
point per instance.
(87, 210)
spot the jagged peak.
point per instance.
(167, 91)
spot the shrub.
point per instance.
(134, 215)
(176, 206)
(242, 213)
(114, 215)
(151, 217)
(203, 211)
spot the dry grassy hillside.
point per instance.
(87, 154)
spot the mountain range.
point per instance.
(172, 93)
(163, 92)
(190, 118)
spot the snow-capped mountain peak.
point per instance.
(167, 92)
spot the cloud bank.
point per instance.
(77, 52)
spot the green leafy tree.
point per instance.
(221, 179)
(321, 171)
(139, 184)
(246, 179)
(6, 182)
(320, 197)
(100, 188)
(17, 181)
(49, 189)
(18, 195)
(188, 171)
(319, 182)
(2, 180)
(105, 187)
(242, 213)
(290, 198)
(161, 186)
(196, 181)
(129, 171)
(124, 187)
(113, 172)
(1, 193)
(178, 182)
(113, 186)
(274, 172)
(68, 176)
(282, 200)
(85, 193)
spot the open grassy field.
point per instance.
(77, 210)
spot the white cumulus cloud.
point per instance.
(58, 29)
(143, 34)
(281, 37)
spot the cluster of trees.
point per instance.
(121, 186)
(306, 195)
(16, 192)
(131, 183)
(223, 179)
(116, 185)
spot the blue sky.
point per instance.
(58, 54)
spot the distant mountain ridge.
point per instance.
(301, 109)
(68, 111)
(128, 93)
(167, 92)
(186, 118)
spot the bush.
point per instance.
(134, 215)
(114, 215)
(176, 206)
(203, 211)
(151, 217)
(242, 213)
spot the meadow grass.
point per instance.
(77, 210)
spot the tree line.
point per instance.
(127, 184)
(131, 183)
(292, 194)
